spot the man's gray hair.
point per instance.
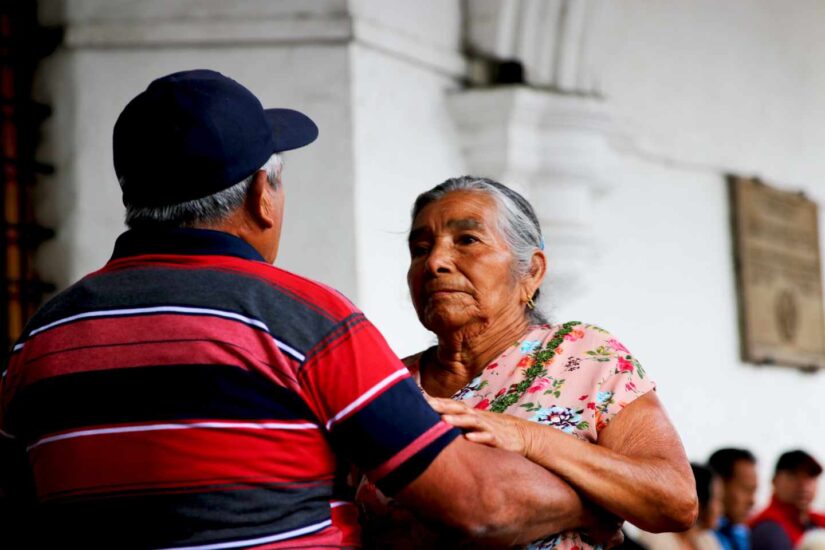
(518, 221)
(206, 211)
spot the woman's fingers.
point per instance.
(485, 438)
(447, 406)
(465, 421)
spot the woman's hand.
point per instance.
(495, 430)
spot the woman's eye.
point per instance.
(417, 250)
(467, 239)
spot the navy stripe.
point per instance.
(374, 434)
(415, 466)
(181, 519)
(182, 240)
(140, 394)
(289, 320)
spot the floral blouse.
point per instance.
(574, 377)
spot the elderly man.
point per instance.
(783, 523)
(191, 395)
(737, 470)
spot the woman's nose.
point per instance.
(439, 259)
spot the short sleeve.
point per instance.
(374, 412)
(622, 379)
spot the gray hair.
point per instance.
(205, 211)
(519, 223)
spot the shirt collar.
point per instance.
(182, 240)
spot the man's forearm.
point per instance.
(496, 496)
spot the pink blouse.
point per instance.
(574, 377)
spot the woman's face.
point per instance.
(460, 274)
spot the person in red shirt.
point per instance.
(782, 524)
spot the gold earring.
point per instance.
(531, 304)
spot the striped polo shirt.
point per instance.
(190, 395)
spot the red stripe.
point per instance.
(178, 458)
(358, 362)
(413, 448)
(157, 339)
(331, 537)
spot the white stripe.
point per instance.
(195, 425)
(7, 434)
(262, 540)
(290, 350)
(156, 309)
(170, 309)
(366, 395)
(337, 503)
(18, 347)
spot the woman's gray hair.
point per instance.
(518, 221)
(206, 211)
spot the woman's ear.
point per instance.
(259, 203)
(538, 269)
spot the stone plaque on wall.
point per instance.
(776, 241)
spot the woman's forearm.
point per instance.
(638, 471)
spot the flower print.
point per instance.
(469, 391)
(615, 344)
(525, 361)
(630, 386)
(583, 397)
(540, 384)
(591, 406)
(574, 335)
(501, 392)
(604, 397)
(483, 404)
(573, 363)
(491, 366)
(529, 346)
(562, 418)
(624, 365)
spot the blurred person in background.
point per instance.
(570, 397)
(701, 536)
(737, 470)
(783, 523)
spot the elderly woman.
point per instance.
(574, 400)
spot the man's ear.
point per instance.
(259, 204)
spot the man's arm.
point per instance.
(494, 495)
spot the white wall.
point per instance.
(700, 89)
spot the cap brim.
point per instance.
(290, 129)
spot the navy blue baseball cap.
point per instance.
(194, 133)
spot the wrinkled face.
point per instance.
(739, 491)
(460, 272)
(795, 488)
